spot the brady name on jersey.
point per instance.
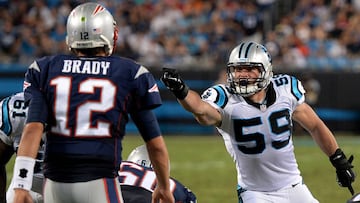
(86, 67)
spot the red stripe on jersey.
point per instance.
(154, 88)
(26, 85)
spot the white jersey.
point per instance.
(258, 137)
(13, 113)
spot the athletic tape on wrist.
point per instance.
(23, 172)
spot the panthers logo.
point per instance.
(206, 94)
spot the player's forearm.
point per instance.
(324, 138)
(162, 173)
(192, 102)
(159, 157)
(203, 112)
(25, 159)
(30, 140)
(322, 135)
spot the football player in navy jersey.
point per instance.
(85, 99)
(13, 112)
(138, 180)
(253, 112)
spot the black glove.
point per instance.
(172, 80)
(344, 173)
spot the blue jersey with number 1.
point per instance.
(85, 103)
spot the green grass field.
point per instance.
(202, 164)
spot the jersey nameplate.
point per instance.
(86, 67)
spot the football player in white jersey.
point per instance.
(254, 112)
(13, 112)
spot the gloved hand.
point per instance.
(172, 80)
(344, 173)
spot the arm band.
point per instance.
(23, 172)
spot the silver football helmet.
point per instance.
(252, 55)
(354, 199)
(140, 156)
(91, 25)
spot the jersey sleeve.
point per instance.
(297, 91)
(34, 96)
(217, 97)
(13, 115)
(148, 95)
(290, 86)
(147, 124)
(183, 194)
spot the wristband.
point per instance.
(182, 93)
(23, 172)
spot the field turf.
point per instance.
(202, 164)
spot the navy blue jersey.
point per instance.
(86, 103)
(133, 194)
(135, 178)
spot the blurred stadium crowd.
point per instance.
(318, 34)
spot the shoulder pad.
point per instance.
(216, 94)
(291, 84)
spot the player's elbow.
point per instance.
(203, 120)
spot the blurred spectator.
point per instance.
(29, 47)
(312, 87)
(273, 46)
(40, 17)
(8, 42)
(294, 53)
(251, 22)
(186, 33)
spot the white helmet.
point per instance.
(354, 199)
(140, 156)
(91, 25)
(250, 54)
